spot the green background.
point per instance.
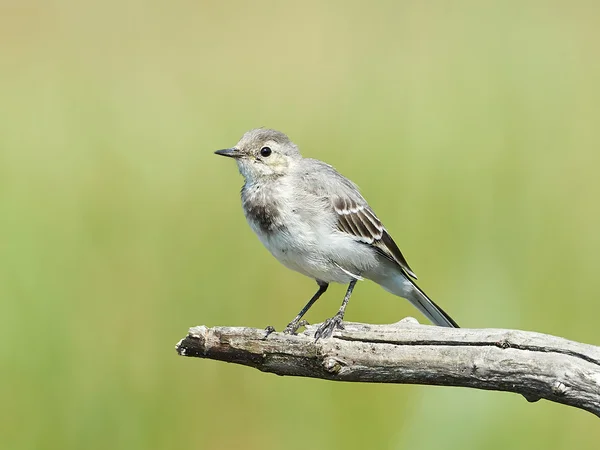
(472, 128)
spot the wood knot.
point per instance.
(332, 365)
(559, 388)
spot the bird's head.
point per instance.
(263, 153)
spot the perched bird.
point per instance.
(316, 222)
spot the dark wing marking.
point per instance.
(361, 222)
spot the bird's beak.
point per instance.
(230, 152)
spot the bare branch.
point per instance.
(532, 364)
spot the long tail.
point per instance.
(430, 309)
(404, 287)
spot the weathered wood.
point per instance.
(536, 365)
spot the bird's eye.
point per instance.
(265, 151)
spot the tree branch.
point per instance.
(532, 364)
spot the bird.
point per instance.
(316, 222)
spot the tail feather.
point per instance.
(402, 286)
(428, 307)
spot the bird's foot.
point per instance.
(268, 330)
(328, 327)
(293, 326)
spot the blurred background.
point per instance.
(471, 127)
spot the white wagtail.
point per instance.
(316, 222)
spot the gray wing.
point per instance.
(354, 216)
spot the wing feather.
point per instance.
(359, 221)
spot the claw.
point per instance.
(303, 323)
(292, 327)
(328, 327)
(268, 330)
(290, 330)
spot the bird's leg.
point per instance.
(295, 324)
(326, 329)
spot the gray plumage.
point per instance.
(316, 222)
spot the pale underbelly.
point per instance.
(331, 262)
